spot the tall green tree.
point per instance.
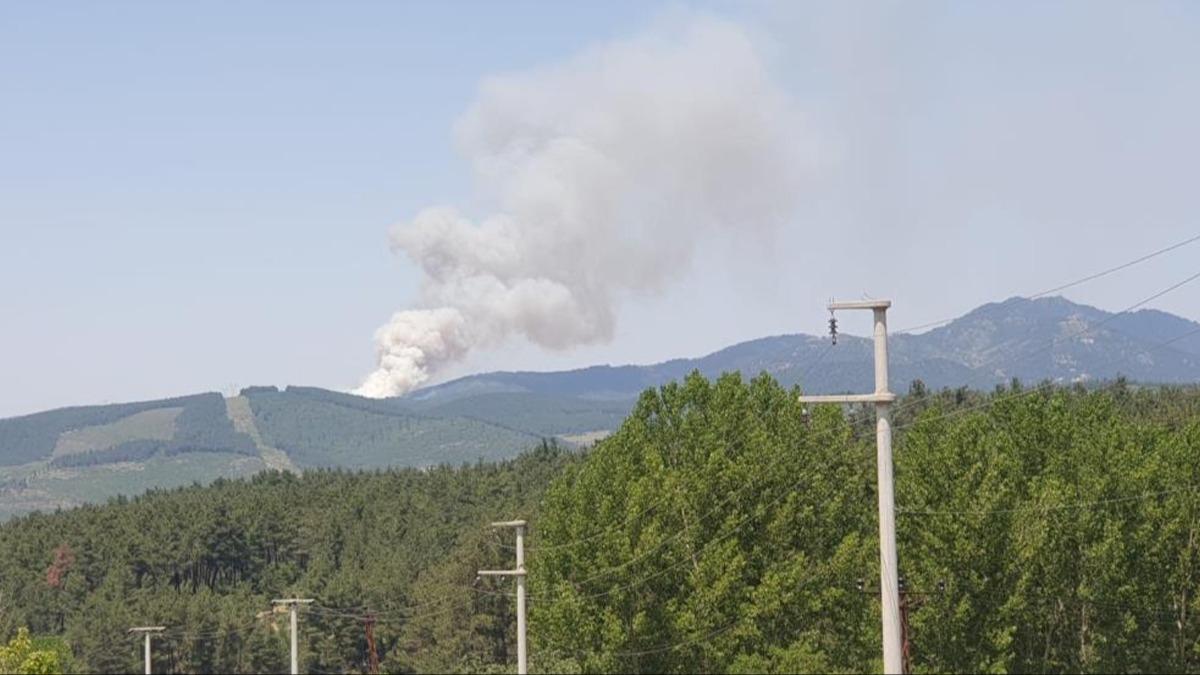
(719, 529)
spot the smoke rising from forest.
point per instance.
(604, 173)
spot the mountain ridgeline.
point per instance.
(1033, 340)
(66, 457)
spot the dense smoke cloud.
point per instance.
(605, 173)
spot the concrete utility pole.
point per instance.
(147, 631)
(519, 573)
(293, 604)
(882, 398)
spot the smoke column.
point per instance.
(605, 172)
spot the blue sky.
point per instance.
(197, 196)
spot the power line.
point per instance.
(333, 613)
(820, 357)
(658, 649)
(662, 544)
(1033, 390)
(358, 611)
(1049, 384)
(401, 620)
(518, 527)
(182, 633)
(1077, 282)
(891, 610)
(789, 490)
(1111, 317)
(1090, 327)
(560, 650)
(293, 605)
(828, 348)
(732, 496)
(596, 535)
(1038, 389)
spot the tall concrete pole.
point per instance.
(293, 620)
(146, 632)
(293, 605)
(882, 398)
(519, 573)
(522, 665)
(888, 567)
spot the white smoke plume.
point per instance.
(605, 173)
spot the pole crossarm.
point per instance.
(146, 632)
(501, 573)
(510, 523)
(860, 304)
(293, 605)
(885, 397)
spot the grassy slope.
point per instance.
(67, 457)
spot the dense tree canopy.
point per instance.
(719, 519)
(206, 563)
(723, 528)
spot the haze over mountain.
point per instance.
(70, 456)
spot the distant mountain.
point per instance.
(1048, 338)
(70, 456)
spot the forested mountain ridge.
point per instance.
(66, 457)
(1048, 338)
(722, 528)
(63, 458)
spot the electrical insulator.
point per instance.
(833, 329)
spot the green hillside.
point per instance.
(64, 458)
(319, 428)
(541, 414)
(720, 529)
(197, 423)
